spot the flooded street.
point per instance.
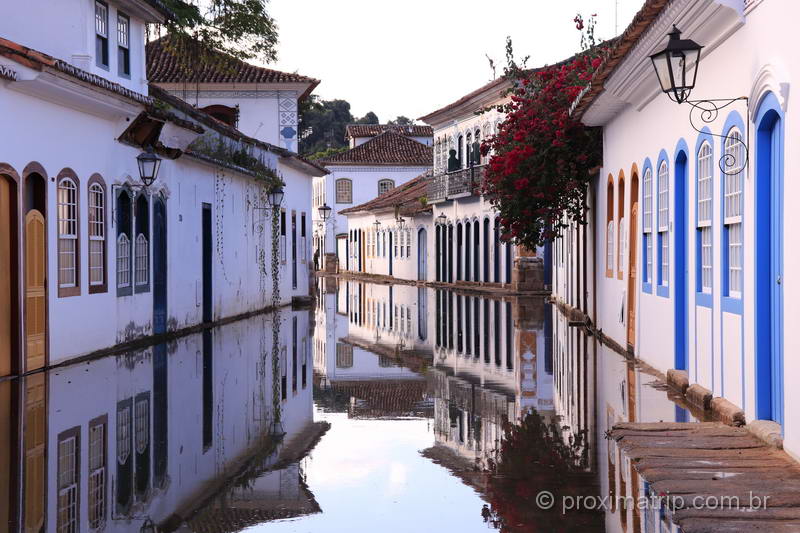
(390, 408)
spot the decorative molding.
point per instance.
(182, 93)
(8, 73)
(771, 78)
(382, 169)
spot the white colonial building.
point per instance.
(687, 260)
(89, 257)
(372, 167)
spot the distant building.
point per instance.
(370, 169)
(358, 134)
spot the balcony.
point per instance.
(457, 184)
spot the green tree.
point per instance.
(322, 124)
(369, 118)
(240, 28)
(402, 120)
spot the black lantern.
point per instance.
(149, 164)
(324, 212)
(275, 197)
(401, 222)
(148, 526)
(377, 225)
(442, 219)
(676, 66)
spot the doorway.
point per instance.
(207, 264)
(9, 299)
(632, 259)
(391, 251)
(681, 274)
(159, 267)
(35, 273)
(294, 250)
(422, 255)
(769, 261)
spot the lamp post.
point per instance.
(149, 164)
(401, 222)
(676, 69)
(324, 212)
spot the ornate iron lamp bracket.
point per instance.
(707, 111)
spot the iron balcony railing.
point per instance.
(457, 184)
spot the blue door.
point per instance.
(681, 268)
(769, 261)
(422, 255)
(160, 267)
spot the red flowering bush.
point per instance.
(537, 175)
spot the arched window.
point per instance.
(733, 238)
(647, 225)
(142, 245)
(97, 235)
(124, 233)
(68, 244)
(663, 224)
(469, 149)
(610, 227)
(704, 208)
(477, 147)
(385, 185)
(460, 150)
(344, 191)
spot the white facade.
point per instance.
(117, 262)
(357, 184)
(711, 288)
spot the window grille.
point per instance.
(734, 151)
(67, 233)
(663, 222)
(704, 209)
(610, 246)
(344, 191)
(142, 425)
(123, 435)
(142, 260)
(67, 518)
(623, 241)
(385, 186)
(97, 235)
(97, 476)
(123, 261)
(101, 34)
(123, 45)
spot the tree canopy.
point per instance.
(240, 28)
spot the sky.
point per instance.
(414, 56)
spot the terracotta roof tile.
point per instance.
(373, 130)
(165, 66)
(494, 84)
(388, 148)
(40, 61)
(406, 197)
(617, 52)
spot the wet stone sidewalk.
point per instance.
(712, 477)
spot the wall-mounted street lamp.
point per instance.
(324, 212)
(442, 219)
(401, 222)
(676, 68)
(149, 163)
(275, 197)
(377, 225)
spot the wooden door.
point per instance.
(35, 291)
(35, 437)
(8, 327)
(632, 256)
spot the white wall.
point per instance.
(66, 31)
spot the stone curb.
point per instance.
(727, 412)
(678, 380)
(699, 396)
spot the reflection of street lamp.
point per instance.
(148, 527)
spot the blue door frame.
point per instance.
(769, 260)
(681, 268)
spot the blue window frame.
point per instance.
(732, 217)
(704, 251)
(663, 229)
(647, 228)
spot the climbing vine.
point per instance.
(220, 194)
(276, 321)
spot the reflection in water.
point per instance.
(401, 409)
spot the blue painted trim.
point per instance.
(704, 299)
(769, 177)
(681, 305)
(647, 275)
(662, 289)
(704, 137)
(729, 304)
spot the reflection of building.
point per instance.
(152, 433)
(491, 365)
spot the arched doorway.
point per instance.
(633, 257)
(159, 266)
(422, 254)
(9, 268)
(769, 260)
(681, 267)
(35, 271)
